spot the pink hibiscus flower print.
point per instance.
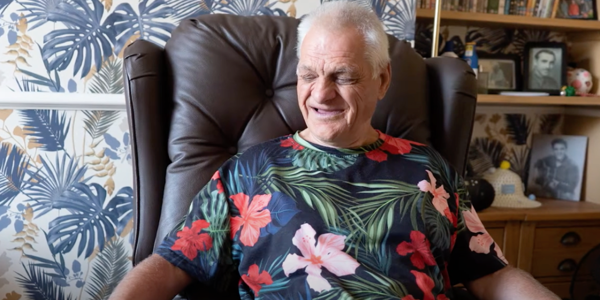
(440, 196)
(217, 177)
(190, 240)
(481, 242)
(425, 283)
(255, 280)
(290, 142)
(327, 253)
(420, 249)
(252, 217)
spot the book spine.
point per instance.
(492, 6)
(539, 8)
(522, 7)
(501, 6)
(513, 7)
(507, 8)
(555, 8)
(548, 12)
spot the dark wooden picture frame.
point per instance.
(496, 67)
(540, 73)
(577, 9)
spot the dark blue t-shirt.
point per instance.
(289, 219)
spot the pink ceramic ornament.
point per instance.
(580, 79)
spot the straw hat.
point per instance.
(508, 188)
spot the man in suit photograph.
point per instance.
(541, 77)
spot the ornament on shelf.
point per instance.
(580, 79)
(568, 91)
(481, 193)
(508, 188)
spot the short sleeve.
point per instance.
(475, 254)
(201, 244)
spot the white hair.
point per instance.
(357, 14)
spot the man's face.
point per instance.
(336, 90)
(559, 151)
(544, 63)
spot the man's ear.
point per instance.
(385, 77)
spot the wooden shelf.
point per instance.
(551, 210)
(534, 100)
(489, 20)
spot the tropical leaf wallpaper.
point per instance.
(76, 46)
(65, 175)
(505, 135)
(65, 203)
(489, 40)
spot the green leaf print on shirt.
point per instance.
(392, 199)
(321, 161)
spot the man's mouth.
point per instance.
(327, 112)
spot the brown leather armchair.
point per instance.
(223, 83)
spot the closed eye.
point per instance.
(308, 77)
(343, 80)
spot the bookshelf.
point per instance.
(546, 100)
(583, 35)
(510, 21)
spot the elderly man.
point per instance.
(338, 210)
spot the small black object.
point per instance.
(585, 283)
(481, 193)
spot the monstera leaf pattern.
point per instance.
(86, 38)
(149, 24)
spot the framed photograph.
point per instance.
(503, 72)
(545, 67)
(556, 166)
(577, 9)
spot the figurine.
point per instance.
(568, 91)
(580, 79)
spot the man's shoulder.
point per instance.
(548, 80)
(418, 157)
(259, 149)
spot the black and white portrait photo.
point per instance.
(545, 68)
(503, 71)
(543, 73)
(500, 73)
(556, 168)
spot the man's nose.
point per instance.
(323, 90)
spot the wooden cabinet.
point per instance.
(548, 242)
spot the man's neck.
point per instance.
(359, 139)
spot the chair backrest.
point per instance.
(223, 83)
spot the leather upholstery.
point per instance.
(223, 83)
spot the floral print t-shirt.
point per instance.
(289, 219)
